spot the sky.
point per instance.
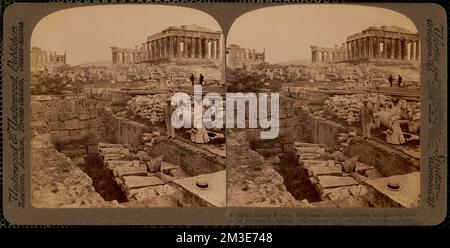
(286, 32)
(87, 33)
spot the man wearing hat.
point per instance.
(366, 118)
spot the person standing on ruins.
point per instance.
(192, 78)
(399, 80)
(201, 134)
(395, 134)
(390, 79)
(168, 110)
(201, 78)
(366, 118)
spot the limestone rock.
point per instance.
(154, 165)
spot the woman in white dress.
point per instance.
(201, 135)
(395, 136)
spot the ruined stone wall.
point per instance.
(380, 155)
(75, 121)
(127, 131)
(192, 159)
(291, 128)
(58, 182)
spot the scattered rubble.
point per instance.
(137, 175)
(332, 178)
(148, 107)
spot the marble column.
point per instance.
(192, 43)
(417, 51)
(411, 51)
(207, 49)
(184, 47)
(213, 49)
(218, 49)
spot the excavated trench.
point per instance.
(295, 178)
(102, 178)
(177, 152)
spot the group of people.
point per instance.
(399, 80)
(394, 133)
(201, 79)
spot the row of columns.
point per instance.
(326, 56)
(124, 57)
(46, 57)
(183, 47)
(245, 54)
(383, 47)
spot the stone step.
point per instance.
(116, 157)
(362, 167)
(163, 190)
(113, 164)
(317, 150)
(135, 182)
(302, 144)
(324, 168)
(130, 171)
(114, 150)
(109, 145)
(326, 182)
(309, 156)
(166, 167)
(141, 194)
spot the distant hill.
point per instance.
(296, 62)
(98, 63)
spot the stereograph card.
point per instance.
(224, 114)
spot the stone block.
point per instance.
(93, 113)
(120, 171)
(135, 182)
(349, 165)
(142, 193)
(113, 164)
(73, 124)
(63, 116)
(37, 107)
(324, 169)
(362, 167)
(335, 181)
(167, 167)
(63, 134)
(53, 116)
(84, 115)
(336, 193)
(75, 133)
(92, 149)
(154, 165)
(55, 125)
(109, 145)
(164, 190)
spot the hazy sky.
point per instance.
(286, 32)
(87, 33)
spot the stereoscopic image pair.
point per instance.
(150, 106)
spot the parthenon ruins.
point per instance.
(188, 42)
(385, 43)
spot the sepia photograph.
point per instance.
(347, 84)
(106, 83)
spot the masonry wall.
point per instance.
(74, 121)
(192, 159)
(127, 131)
(380, 155)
